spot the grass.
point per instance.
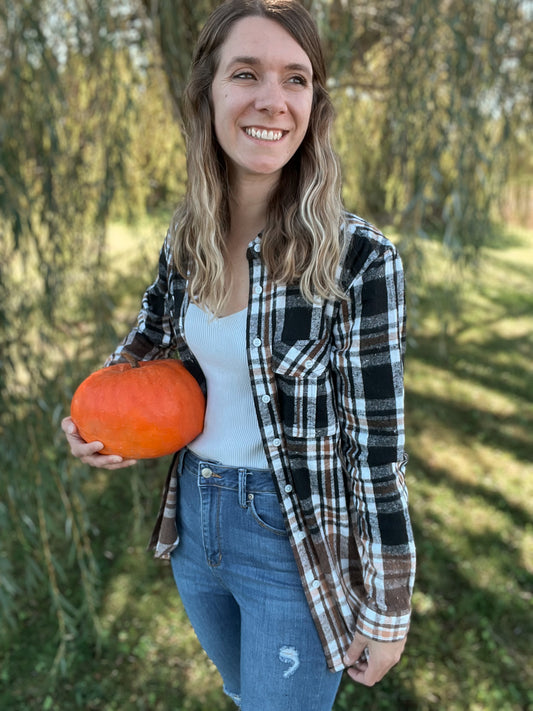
(469, 403)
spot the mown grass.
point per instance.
(469, 406)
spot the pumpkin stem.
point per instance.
(131, 359)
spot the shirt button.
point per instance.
(315, 584)
(256, 341)
(276, 442)
(288, 488)
(206, 473)
(258, 289)
(265, 398)
(308, 363)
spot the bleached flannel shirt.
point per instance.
(327, 381)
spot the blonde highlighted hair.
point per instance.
(301, 239)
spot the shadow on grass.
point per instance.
(469, 646)
(503, 432)
(469, 642)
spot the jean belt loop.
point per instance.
(243, 501)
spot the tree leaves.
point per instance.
(433, 98)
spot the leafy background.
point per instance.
(434, 114)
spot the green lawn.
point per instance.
(469, 408)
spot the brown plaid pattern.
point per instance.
(327, 380)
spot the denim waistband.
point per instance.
(243, 479)
(194, 460)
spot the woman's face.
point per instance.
(262, 95)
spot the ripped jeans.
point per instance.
(240, 587)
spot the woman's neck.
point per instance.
(248, 206)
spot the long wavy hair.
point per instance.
(301, 238)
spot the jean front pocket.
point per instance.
(266, 511)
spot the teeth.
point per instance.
(264, 134)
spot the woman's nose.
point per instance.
(270, 97)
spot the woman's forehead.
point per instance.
(263, 41)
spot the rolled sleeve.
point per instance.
(368, 366)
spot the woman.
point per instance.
(290, 540)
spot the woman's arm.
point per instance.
(368, 367)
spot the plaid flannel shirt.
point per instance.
(327, 380)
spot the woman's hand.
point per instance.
(88, 452)
(369, 660)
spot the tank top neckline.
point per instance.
(207, 314)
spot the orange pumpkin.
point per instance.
(139, 409)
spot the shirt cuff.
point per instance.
(383, 627)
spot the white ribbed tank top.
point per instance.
(231, 433)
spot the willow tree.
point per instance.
(66, 77)
(431, 97)
(430, 94)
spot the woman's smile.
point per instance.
(262, 94)
(264, 134)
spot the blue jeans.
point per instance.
(240, 587)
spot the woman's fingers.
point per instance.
(88, 452)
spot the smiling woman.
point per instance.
(286, 519)
(304, 207)
(262, 93)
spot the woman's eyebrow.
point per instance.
(254, 61)
(243, 60)
(296, 67)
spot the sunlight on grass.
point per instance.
(469, 396)
(126, 241)
(469, 413)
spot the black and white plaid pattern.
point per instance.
(327, 380)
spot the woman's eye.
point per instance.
(298, 80)
(243, 75)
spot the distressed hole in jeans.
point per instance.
(289, 655)
(234, 697)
